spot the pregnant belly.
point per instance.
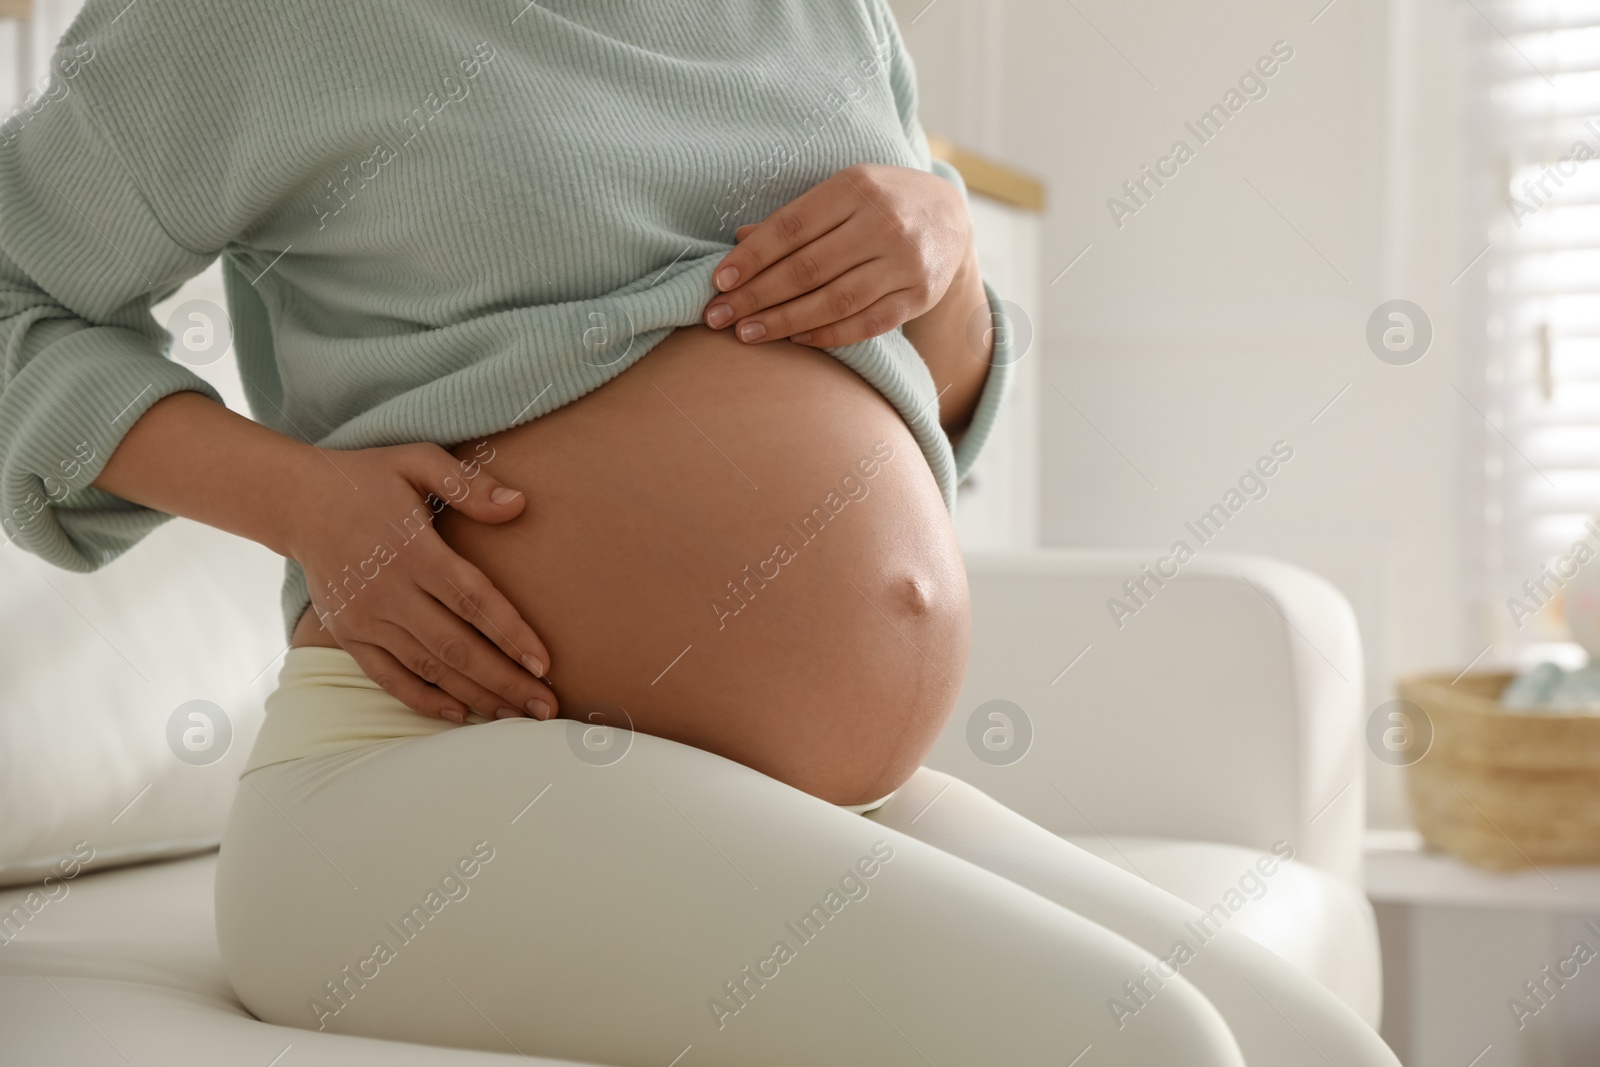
(741, 549)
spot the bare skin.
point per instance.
(446, 627)
(683, 562)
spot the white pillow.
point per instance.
(92, 669)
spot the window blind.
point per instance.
(1534, 326)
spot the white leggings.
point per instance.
(489, 887)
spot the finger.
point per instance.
(850, 293)
(801, 271)
(464, 650)
(798, 223)
(464, 485)
(469, 594)
(883, 315)
(415, 657)
(744, 231)
(400, 683)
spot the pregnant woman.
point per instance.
(613, 366)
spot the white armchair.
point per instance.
(1223, 718)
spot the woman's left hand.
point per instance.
(855, 256)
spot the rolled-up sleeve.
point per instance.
(82, 259)
(997, 383)
(996, 386)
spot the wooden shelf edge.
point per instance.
(15, 9)
(985, 176)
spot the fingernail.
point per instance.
(718, 316)
(533, 665)
(502, 495)
(453, 715)
(727, 278)
(752, 331)
(508, 713)
(801, 338)
(539, 709)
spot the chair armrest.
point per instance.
(1227, 707)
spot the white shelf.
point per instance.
(1401, 871)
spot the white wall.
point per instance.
(26, 47)
(1232, 308)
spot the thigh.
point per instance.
(501, 886)
(1279, 1014)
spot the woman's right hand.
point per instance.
(421, 621)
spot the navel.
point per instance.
(913, 593)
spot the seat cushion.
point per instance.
(123, 968)
(1315, 921)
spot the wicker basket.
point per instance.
(1504, 790)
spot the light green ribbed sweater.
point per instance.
(436, 219)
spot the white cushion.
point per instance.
(124, 969)
(1315, 921)
(92, 668)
